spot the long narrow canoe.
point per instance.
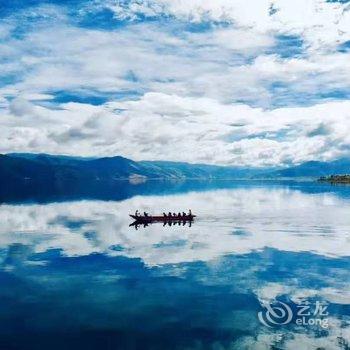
(162, 218)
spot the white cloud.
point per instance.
(227, 64)
(162, 126)
(189, 90)
(318, 21)
(20, 106)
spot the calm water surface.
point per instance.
(74, 275)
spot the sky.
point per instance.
(231, 82)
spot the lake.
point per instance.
(265, 265)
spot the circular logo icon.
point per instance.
(275, 314)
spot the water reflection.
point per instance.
(228, 222)
(76, 270)
(169, 223)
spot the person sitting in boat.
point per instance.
(189, 212)
(174, 214)
(183, 214)
(169, 214)
(145, 214)
(137, 212)
(164, 215)
(179, 215)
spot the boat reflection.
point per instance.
(136, 224)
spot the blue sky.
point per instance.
(218, 82)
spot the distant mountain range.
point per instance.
(312, 169)
(44, 169)
(38, 167)
(46, 178)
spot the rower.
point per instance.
(183, 214)
(145, 214)
(164, 214)
(169, 214)
(189, 212)
(137, 212)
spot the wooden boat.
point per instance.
(162, 218)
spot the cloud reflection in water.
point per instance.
(182, 286)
